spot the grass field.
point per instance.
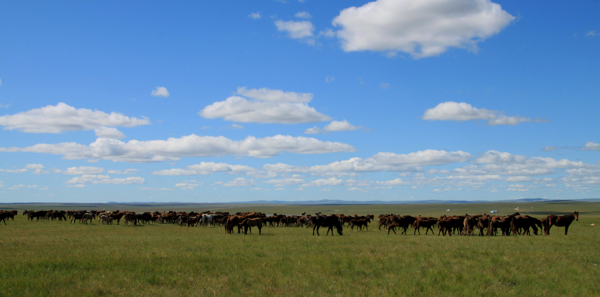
(62, 259)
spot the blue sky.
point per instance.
(299, 100)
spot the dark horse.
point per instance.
(560, 221)
(326, 221)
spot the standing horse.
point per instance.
(560, 221)
(329, 221)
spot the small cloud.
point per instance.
(549, 148)
(329, 79)
(235, 126)
(327, 33)
(302, 30)
(4, 106)
(255, 15)
(591, 146)
(303, 15)
(0, 82)
(589, 34)
(160, 92)
(384, 85)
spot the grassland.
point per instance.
(63, 259)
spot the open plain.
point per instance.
(58, 258)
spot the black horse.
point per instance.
(329, 221)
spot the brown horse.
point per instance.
(249, 223)
(329, 221)
(560, 221)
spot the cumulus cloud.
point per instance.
(126, 171)
(189, 185)
(62, 117)
(285, 182)
(380, 162)
(255, 15)
(105, 179)
(173, 149)
(266, 94)
(206, 168)
(334, 126)
(303, 15)
(160, 92)
(240, 182)
(453, 111)
(301, 30)
(591, 146)
(107, 132)
(81, 170)
(265, 106)
(421, 28)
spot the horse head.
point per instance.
(576, 215)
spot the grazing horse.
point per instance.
(207, 219)
(360, 224)
(329, 221)
(426, 223)
(3, 216)
(402, 222)
(248, 223)
(560, 221)
(130, 217)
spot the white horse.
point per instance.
(206, 218)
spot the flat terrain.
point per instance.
(51, 258)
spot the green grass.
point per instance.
(62, 259)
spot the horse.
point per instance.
(403, 222)
(360, 224)
(207, 219)
(248, 223)
(130, 217)
(560, 221)
(329, 221)
(426, 223)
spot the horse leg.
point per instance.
(566, 229)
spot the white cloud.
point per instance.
(591, 146)
(453, 111)
(301, 30)
(37, 168)
(589, 34)
(265, 94)
(105, 179)
(303, 15)
(384, 86)
(327, 33)
(324, 183)
(255, 15)
(549, 148)
(334, 126)
(126, 171)
(4, 106)
(81, 170)
(173, 149)
(380, 162)
(236, 126)
(0, 82)
(62, 117)
(240, 182)
(329, 79)
(421, 28)
(155, 189)
(121, 181)
(206, 168)
(268, 106)
(285, 182)
(21, 170)
(160, 92)
(108, 132)
(77, 186)
(189, 185)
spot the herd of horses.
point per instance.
(514, 224)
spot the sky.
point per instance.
(231, 101)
